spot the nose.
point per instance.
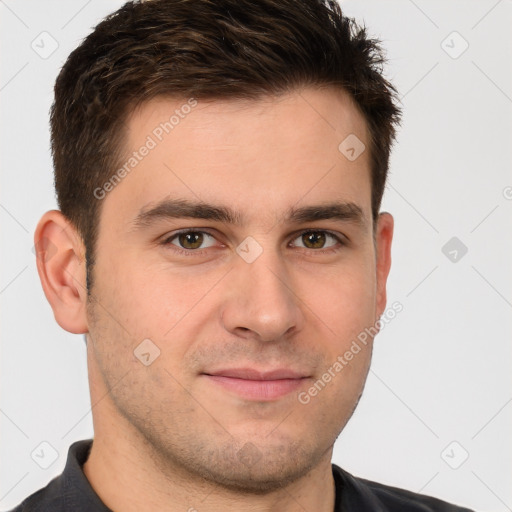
(261, 302)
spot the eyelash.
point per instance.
(199, 252)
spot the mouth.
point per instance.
(262, 386)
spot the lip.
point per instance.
(258, 385)
(253, 374)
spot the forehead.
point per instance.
(261, 156)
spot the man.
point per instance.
(219, 168)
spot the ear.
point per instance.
(383, 239)
(60, 255)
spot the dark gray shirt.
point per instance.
(71, 492)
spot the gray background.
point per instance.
(439, 389)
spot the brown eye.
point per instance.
(317, 240)
(191, 240)
(314, 240)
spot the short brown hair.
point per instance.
(205, 49)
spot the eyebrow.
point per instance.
(184, 208)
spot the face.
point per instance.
(247, 304)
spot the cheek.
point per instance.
(150, 300)
(346, 300)
(169, 306)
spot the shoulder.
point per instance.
(43, 500)
(361, 494)
(402, 499)
(68, 491)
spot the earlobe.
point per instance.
(384, 237)
(60, 256)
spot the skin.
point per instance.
(167, 437)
